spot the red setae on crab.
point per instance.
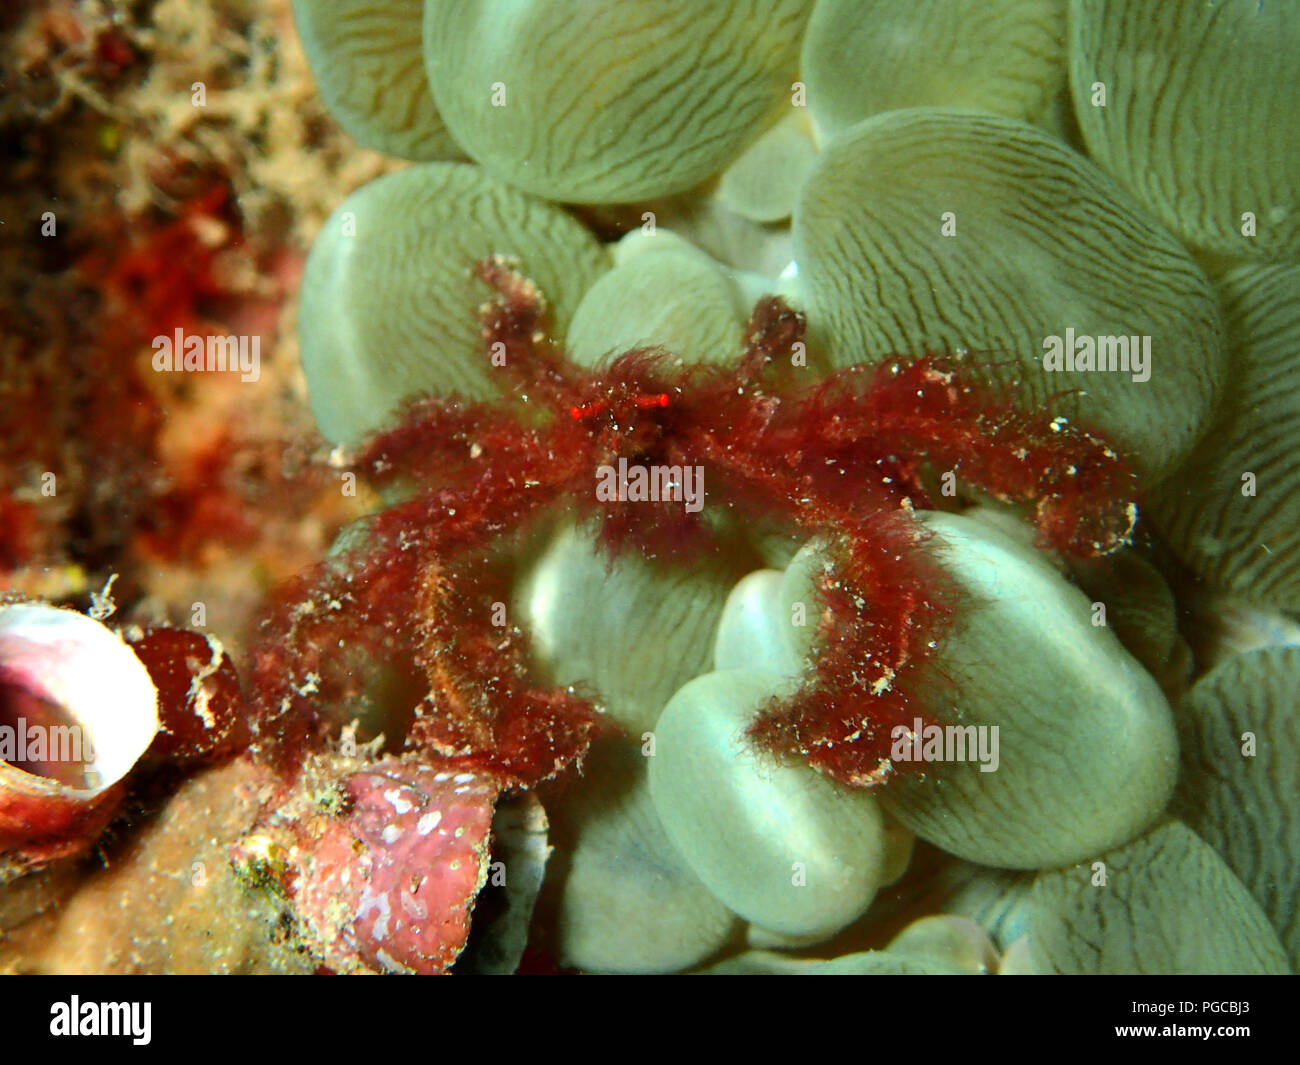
(844, 457)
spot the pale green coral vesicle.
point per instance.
(389, 303)
(1191, 106)
(751, 631)
(630, 101)
(631, 631)
(1086, 754)
(627, 901)
(864, 57)
(1141, 608)
(1240, 788)
(1232, 512)
(866, 963)
(1164, 904)
(763, 183)
(927, 230)
(781, 845)
(669, 296)
(368, 60)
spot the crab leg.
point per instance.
(928, 411)
(484, 710)
(882, 609)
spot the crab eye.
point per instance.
(587, 411)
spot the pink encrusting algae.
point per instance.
(380, 863)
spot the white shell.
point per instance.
(92, 674)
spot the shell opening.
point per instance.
(77, 706)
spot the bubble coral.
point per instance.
(628, 102)
(936, 234)
(1196, 116)
(1232, 511)
(370, 72)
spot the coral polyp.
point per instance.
(849, 457)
